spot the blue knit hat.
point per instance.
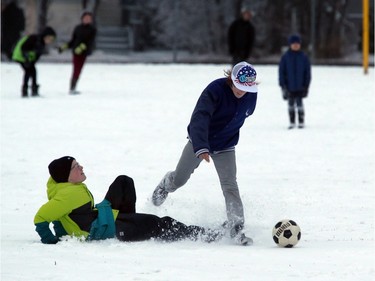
(295, 38)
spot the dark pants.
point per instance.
(295, 102)
(131, 226)
(29, 72)
(78, 62)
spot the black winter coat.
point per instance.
(83, 33)
(241, 37)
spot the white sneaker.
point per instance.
(160, 192)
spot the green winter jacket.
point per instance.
(70, 204)
(21, 55)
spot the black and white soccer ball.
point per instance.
(286, 233)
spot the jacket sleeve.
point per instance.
(282, 71)
(307, 73)
(60, 205)
(73, 38)
(200, 121)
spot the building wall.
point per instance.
(64, 15)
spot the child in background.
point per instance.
(294, 80)
(27, 52)
(81, 43)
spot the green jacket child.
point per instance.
(71, 209)
(27, 52)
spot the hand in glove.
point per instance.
(285, 93)
(62, 48)
(305, 93)
(80, 49)
(45, 233)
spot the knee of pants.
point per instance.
(124, 179)
(229, 187)
(122, 185)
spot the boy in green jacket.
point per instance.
(27, 52)
(71, 209)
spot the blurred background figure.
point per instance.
(294, 80)
(27, 52)
(12, 25)
(241, 37)
(82, 44)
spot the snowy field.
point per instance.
(131, 119)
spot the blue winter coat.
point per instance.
(218, 116)
(294, 71)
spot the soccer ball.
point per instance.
(286, 233)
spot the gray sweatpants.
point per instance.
(225, 164)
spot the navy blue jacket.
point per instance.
(294, 71)
(218, 116)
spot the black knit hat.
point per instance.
(59, 169)
(48, 31)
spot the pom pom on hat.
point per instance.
(59, 169)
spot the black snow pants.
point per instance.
(132, 226)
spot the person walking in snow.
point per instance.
(81, 43)
(294, 80)
(213, 132)
(27, 52)
(71, 210)
(241, 37)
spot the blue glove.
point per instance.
(45, 233)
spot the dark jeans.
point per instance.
(295, 101)
(131, 226)
(29, 72)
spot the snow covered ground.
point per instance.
(131, 119)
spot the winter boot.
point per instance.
(35, 92)
(239, 237)
(24, 91)
(301, 118)
(292, 117)
(73, 84)
(160, 192)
